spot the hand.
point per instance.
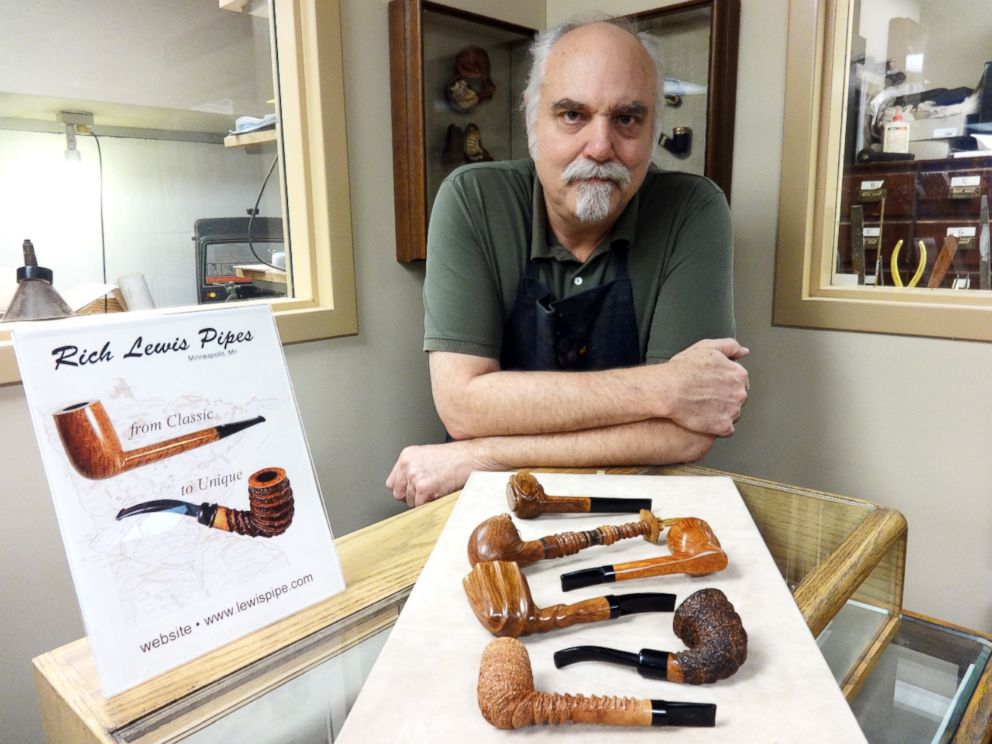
(427, 472)
(711, 386)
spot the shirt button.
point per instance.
(578, 281)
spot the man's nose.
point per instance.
(599, 145)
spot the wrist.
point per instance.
(480, 454)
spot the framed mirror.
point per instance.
(188, 143)
(699, 42)
(457, 78)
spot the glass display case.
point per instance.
(843, 558)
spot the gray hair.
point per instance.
(541, 48)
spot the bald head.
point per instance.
(584, 37)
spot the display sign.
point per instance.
(181, 479)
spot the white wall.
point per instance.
(153, 192)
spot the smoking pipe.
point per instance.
(94, 450)
(497, 539)
(706, 622)
(508, 700)
(527, 500)
(694, 548)
(500, 598)
(270, 512)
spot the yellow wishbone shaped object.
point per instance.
(893, 264)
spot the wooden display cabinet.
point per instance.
(922, 200)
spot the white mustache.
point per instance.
(582, 169)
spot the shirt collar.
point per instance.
(541, 246)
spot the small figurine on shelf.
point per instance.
(474, 151)
(471, 84)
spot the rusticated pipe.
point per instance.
(706, 622)
(497, 539)
(695, 550)
(500, 597)
(93, 448)
(270, 512)
(527, 500)
(508, 700)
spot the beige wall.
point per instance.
(902, 421)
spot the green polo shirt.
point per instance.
(489, 219)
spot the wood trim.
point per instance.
(825, 590)
(976, 723)
(723, 84)
(406, 70)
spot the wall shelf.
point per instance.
(251, 138)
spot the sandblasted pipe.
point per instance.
(270, 512)
(500, 598)
(694, 548)
(93, 448)
(497, 539)
(527, 500)
(706, 622)
(508, 700)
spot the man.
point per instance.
(556, 287)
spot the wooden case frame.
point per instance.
(721, 80)
(417, 91)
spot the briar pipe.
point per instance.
(694, 548)
(93, 448)
(500, 598)
(497, 539)
(527, 500)
(270, 512)
(508, 700)
(706, 622)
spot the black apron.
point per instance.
(594, 329)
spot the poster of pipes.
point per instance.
(181, 478)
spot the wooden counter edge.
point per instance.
(65, 679)
(828, 586)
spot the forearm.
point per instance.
(426, 472)
(653, 442)
(510, 403)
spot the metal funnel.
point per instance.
(35, 298)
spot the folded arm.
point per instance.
(424, 473)
(701, 389)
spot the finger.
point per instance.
(729, 347)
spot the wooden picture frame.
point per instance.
(699, 40)
(425, 40)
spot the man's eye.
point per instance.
(571, 117)
(626, 120)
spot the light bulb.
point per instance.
(72, 154)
